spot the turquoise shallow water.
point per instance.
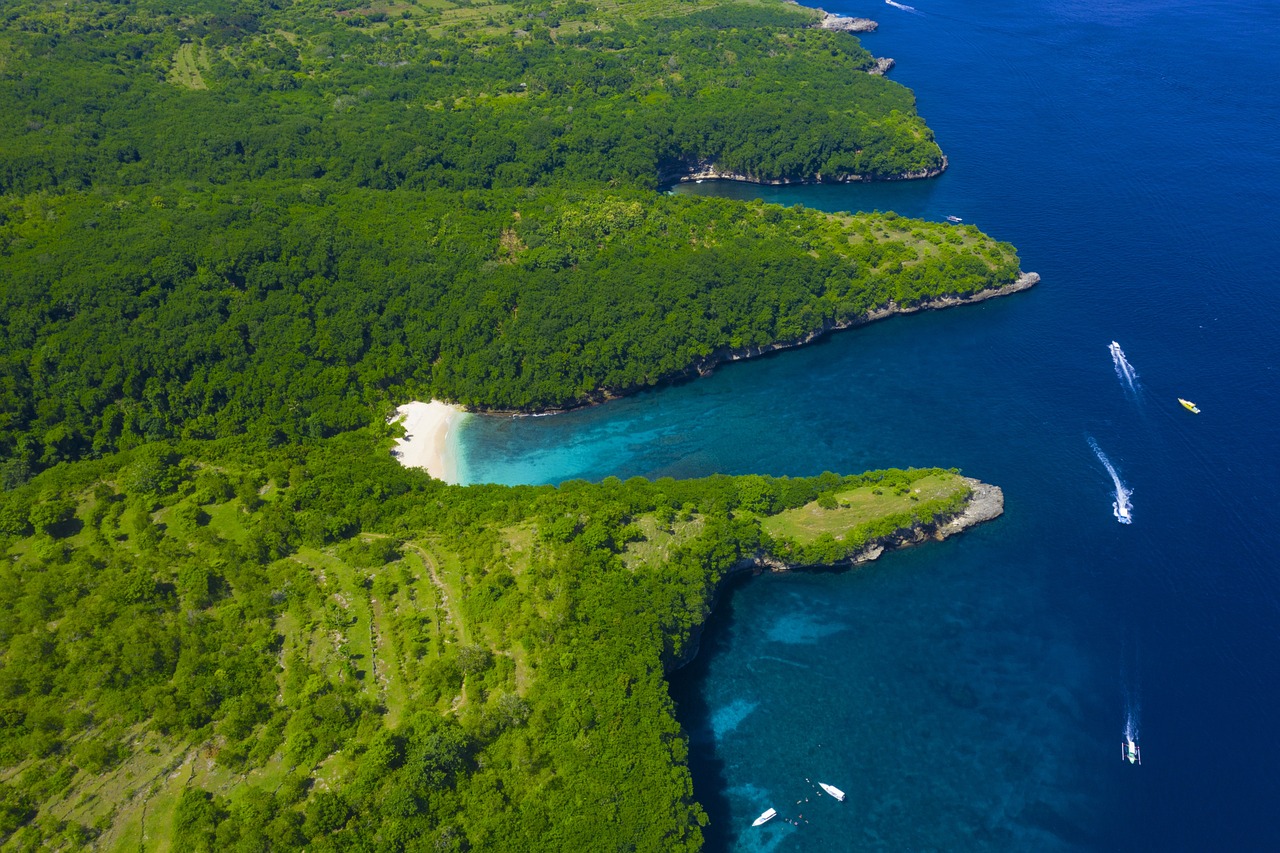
(974, 694)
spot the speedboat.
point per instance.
(832, 790)
(1129, 752)
(954, 219)
(765, 817)
(1189, 406)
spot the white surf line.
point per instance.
(1124, 369)
(1122, 508)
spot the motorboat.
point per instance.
(765, 816)
(832, 790)
(954, 219)
(1189, 406)
(1129, 752)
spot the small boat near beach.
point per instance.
(765, 817)
(954, 219)
(1129, 752)
(832, 790)
(1189, 406)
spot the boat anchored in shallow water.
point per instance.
(832, 790)
(1189, 406)
(766, 816)
(1129, 752)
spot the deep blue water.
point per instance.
(974, 694)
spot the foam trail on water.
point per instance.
(1124, 370)
(1122, 508)
(1132, 696)
(1132, 716)
(904, 7)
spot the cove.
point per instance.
(973, 694)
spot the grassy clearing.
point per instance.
(387, 656)
(519, 545)
(858, 506)
(352, 636)
(227, 520)
(187, 63)
(445, 571)
(659, 540)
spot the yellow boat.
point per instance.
(1188, 405)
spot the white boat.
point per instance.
(832, 790)
(1129, 752)
(765, 817)
(954, 219)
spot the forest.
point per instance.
(235, 234)
(215, 646)
(288, 313)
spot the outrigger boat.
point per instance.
(1189, 406)
(832, 790)
(1129, 752)
(765, 817)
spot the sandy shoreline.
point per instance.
(426, 438)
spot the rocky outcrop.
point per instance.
(883, 64)
(845, 24)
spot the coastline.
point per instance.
(706, 365)
(426, 442)
(985, 504)
(707, 171)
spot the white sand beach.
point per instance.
(426, 438)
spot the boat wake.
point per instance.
(1131, 686)
(1132, 715)
(903, 6)
(1124, 370)
(1122, 508)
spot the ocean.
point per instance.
(975, 694)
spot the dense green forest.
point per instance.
(277, 649)
(134, 93)
(168, 313)
(234, 234)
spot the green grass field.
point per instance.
(858, 506)
(187, 64)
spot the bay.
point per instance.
(974, 694)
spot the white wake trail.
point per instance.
(903, 6)
(1122, 508)
(1124, 370)
(1132, 716)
